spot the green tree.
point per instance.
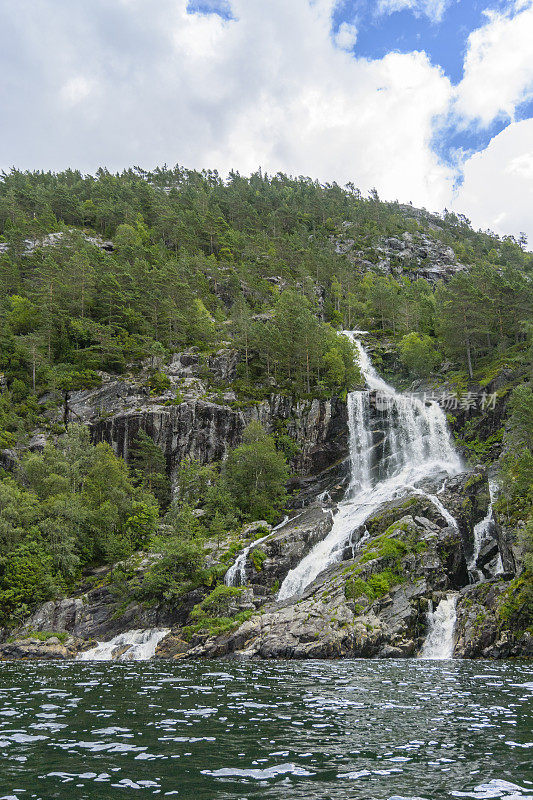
(200, 326)
(419, 355)
(255, 474)
(26, 576)
(519, 425)
(243, 327)
(180, 569)
(148, 466)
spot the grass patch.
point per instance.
(376, 586)
(257, 557)
(42, 636)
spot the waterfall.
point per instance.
(412, 443)
(135, 645)
(439, 642)
(483, 531)
(236, 574)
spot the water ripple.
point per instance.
(363, 730)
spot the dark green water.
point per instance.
(348, 729)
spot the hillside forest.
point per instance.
(112, 274)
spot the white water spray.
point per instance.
(483, 531)
(134, 645)
(236, 574)
(413, 443)
(439, 642)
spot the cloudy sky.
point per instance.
(429, 101)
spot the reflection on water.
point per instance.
(354, 730)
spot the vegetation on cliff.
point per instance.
(114, 273)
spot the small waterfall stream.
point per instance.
(413, 444)
(236, 574)
(134, 645)
(439, 641)
(482, 532)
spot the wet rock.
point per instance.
(284, 549)
(101, 614)
(466, 496)
(373, 605)
(33, 648)
(493, 620)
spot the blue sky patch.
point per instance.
(445, 42)
(404, 31)
(220, 7)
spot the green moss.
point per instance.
(515, 606)
(260, 532)
(42, 636)
(257, 557)
(376, 586)
(217, 602)
(214, 626)
(398, 540)
(479, 446)
(474, 480)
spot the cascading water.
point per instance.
(439, 642)
(413, 443)
(483, 531)
(134, 645)
(236, 574)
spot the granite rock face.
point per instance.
(483, 614)
(100, 613)
(29, 246)
(412, 255)
(50, 649)
(206, 427)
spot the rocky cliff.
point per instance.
(196, 418)
(412, 255)
(375, 602)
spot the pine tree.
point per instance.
(149, 467)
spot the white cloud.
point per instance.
(140, 82)
(434, 9)
(268, 87)
(522, 165)
(498, 69)
(346, 36)
(76, 90)
(497, 191)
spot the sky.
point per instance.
(428, 101)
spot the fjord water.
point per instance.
(312, 730)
